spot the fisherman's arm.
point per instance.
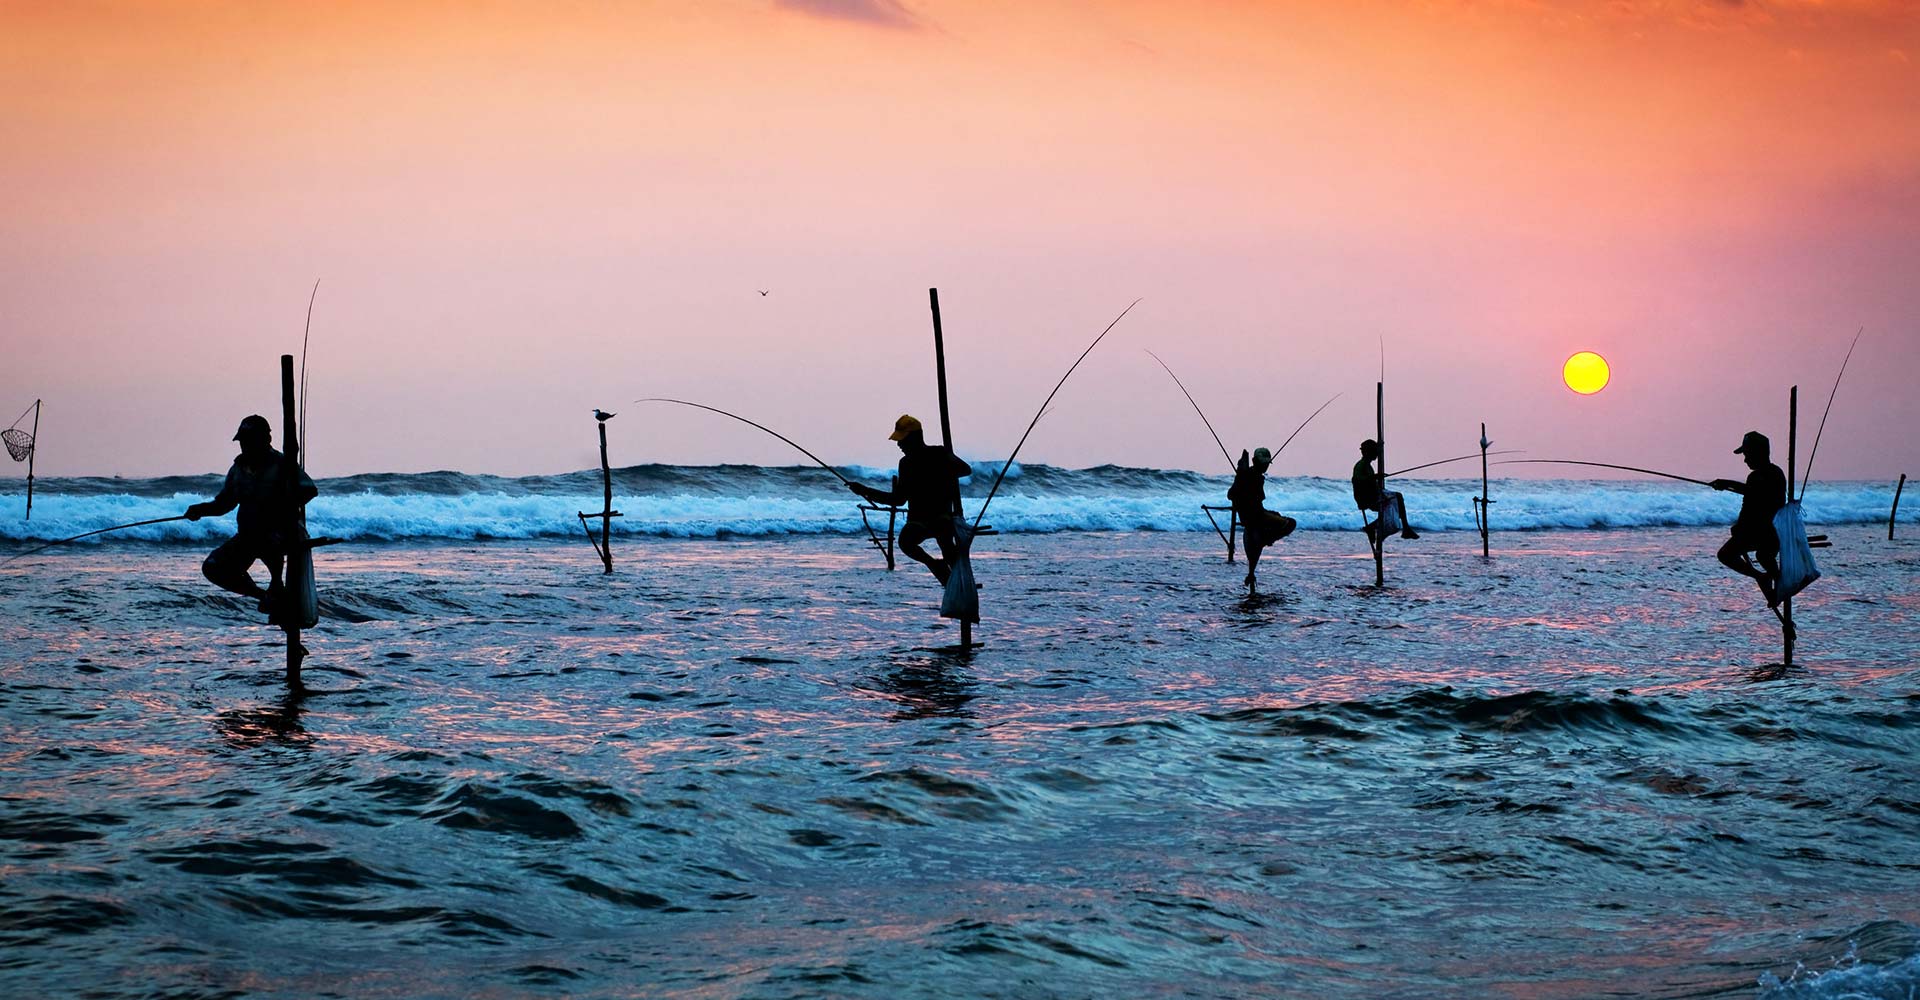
(227, 500)
(1729, 486)
(887, 498)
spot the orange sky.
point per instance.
(523, 210)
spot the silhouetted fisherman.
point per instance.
(1248, 495)
(929, 485)
(1762, 496)
(257, 485)
(1371, 495)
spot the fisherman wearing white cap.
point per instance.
(1249, 496)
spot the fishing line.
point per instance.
(96, 531)
(1456, 458)
(1823, 413)
(769, 430)
(1043, 409)
(1196, 408)
(1603, 465)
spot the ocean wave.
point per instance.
(722, 501)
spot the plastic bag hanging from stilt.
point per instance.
(1796, 556)
(962, 599)
(1389, 513)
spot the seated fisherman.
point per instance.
(1762, 496)
(929, 484)
(1248, 495)
(257, 485)
(1371, 495)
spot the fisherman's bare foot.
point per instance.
(1409, 533)
(941, 571)
(1771, 593)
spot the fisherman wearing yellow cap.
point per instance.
(929, 484)
(1248, 495)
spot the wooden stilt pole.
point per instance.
(30, 453)
(1233, 524)
(1787, 632)
(606, 512)
(294, 561)
(1485, 498)
(1380, 438)
(946, 424)
(1895, 513)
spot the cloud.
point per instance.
(880, 13)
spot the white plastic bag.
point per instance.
(1796, 556)
(962, 599)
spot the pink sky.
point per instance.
(520, 211)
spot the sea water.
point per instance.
(743, 765)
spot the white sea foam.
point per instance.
(781, 502)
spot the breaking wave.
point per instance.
(743, 500)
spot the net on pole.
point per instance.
(19, 443)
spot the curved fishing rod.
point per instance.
(1604, 465)
(96, 531)
(997, 479)
(304, 337)
(1303, 425)
(749, 423)
(1823, 413)
(1456, 458)
(1196, 408)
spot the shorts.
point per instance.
(236, 556)
(1756, 539)
(1264, 527)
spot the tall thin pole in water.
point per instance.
(30, 453)
(1895, 512)
(606, 512)
(946, 423)
(1793, 432)
(1380, 438)
(288, 609)
(1485, 498)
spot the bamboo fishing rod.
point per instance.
(306, 440)
(1196, 408)
(1808, 480)
(1216, 437)
(96, 531)
(1456, 458)
(1605, 465)
(764, 427)
(1303, 424)
(1002, 475)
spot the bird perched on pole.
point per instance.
(602, 415)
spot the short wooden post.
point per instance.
(1891, 515)
(1380, 439)
(291, 586)
(946, 425)
(1787, 632)
(30, 453)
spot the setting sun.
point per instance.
(1586, 373)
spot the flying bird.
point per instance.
(762, 291)
(602, 415)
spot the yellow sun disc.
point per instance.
(1586, 373)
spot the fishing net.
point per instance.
(19, 443)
